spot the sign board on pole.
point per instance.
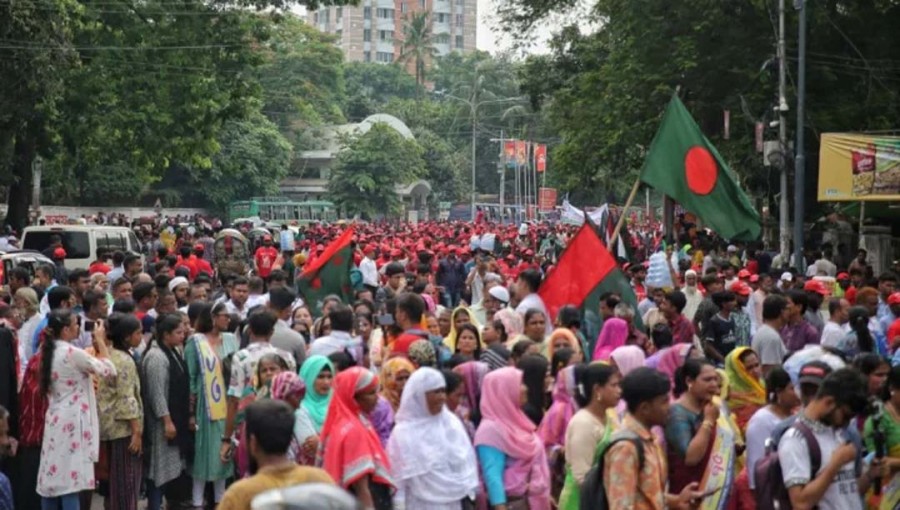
(859, 167)
(547, 199)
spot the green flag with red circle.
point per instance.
(328, 274)
(685, 166)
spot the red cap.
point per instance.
(894, 299)
(754, 278)
(59, 253)
(199, 247)
(369, 249)
(267, 237)
(396, 252)
(815, 286)
(843, 276)
(740, 288)
(743, 273)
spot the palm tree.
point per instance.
(418, 43)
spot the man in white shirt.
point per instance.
(340, 339)
(836, 327)
(281, 300)
(240, 291)
(526, 289)
(841, 398)
(767, 341)
(369, 269)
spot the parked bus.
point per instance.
(283, 210)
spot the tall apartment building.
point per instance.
(373, 31)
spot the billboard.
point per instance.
(547, 199)
(540, 157)
(859, 167)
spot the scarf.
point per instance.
(316, 405)
(746, 393)
(613, 335)
(627, 358)
(450, 340)
(178, 400)
(553, 427)
(349, 448)
(390, 369)
(213, 382)
(568, 336)
(472, 373)
(287, 385)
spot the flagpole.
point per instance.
(621, 222)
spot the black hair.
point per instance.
(532, 279)
(123, 306)
(847, 387)
(121, 281)
(452, 379)
(256, 284)
(393, 268)
(412, 304)
(281, 298)
(689, 370)
(271, 422)
(262, 323)
(799, 298)
(887, 277)
(568, 317)
(534, 371)
(341, 317)
(471, 329)
(366, 303)
(45, 269)
(561, 358)
(20, 273)
(588, 376)
(859, 324)
(240, 280)
(278, 275)
(677, 299)
(773, 307)
(776, 380)
(57, 320)
(77, 274)
(868, 362)
(501, 330)
(893, 383)
(118, 258)
(90, 299)
(531, 312)
(661, 335)
(521, 347)
(141, 291)
(643, 384)
(130, 259)
(59, 295)
(341, 361)
(834, 304)
(202, 315)
(120, 327)
(165, 324)
(725, 296)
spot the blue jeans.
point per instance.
(64, 502)
(154, 496)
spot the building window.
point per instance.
(367, 13)
(316, 17)
(368, 56)
(339, 33)
(403, 7)
(459, 20)
(327, 17)
(340, 13)
(459, 42)
(385, 13)
(367, 35)
(384, 57)
(385, 35)
(442, 38)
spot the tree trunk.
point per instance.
(20, 189)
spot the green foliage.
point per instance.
(418, 44)
(369, 168)
(369, 86)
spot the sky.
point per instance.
(490, 39)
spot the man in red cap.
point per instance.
(816, 292)
(61, 274)
(893, 329)
(743, 322)
(203, 266)
(841, 285)
(264, 258)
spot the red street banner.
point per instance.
(540, 157)
(509, 152)
(521, 152)
(546, 199)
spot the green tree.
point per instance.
(370, 86)
(367, 171)
(418, 44)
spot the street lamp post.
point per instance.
(473, 107)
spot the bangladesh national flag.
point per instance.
(685, 166)
(586, 270)
(328, 274)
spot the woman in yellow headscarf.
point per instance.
(746, 392)
(461, 315)
(562, 338)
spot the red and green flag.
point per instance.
(685, 166)
(328, 274)
(586, 270)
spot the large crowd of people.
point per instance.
(164, 378)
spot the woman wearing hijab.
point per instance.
(433, 462)
(394, 374)
(512, 456)
(350, 449)
(289, 388)
(317, 373)
(613, 335)
(552, 429)
(535, 370)
(674, 357)
(746, 393)
(564, 338)
(627, 358)
(472, 373)
(461, 315)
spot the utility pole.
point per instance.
(474, 112)
(800, 161)
(501, 168)
(782, 108)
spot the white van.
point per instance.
(81, 241)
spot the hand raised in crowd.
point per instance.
(711, 412)
(99, 340)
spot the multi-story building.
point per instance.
(373, 30)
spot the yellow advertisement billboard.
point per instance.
(859, 167)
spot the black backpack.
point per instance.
(593, 493)
(771, 494)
